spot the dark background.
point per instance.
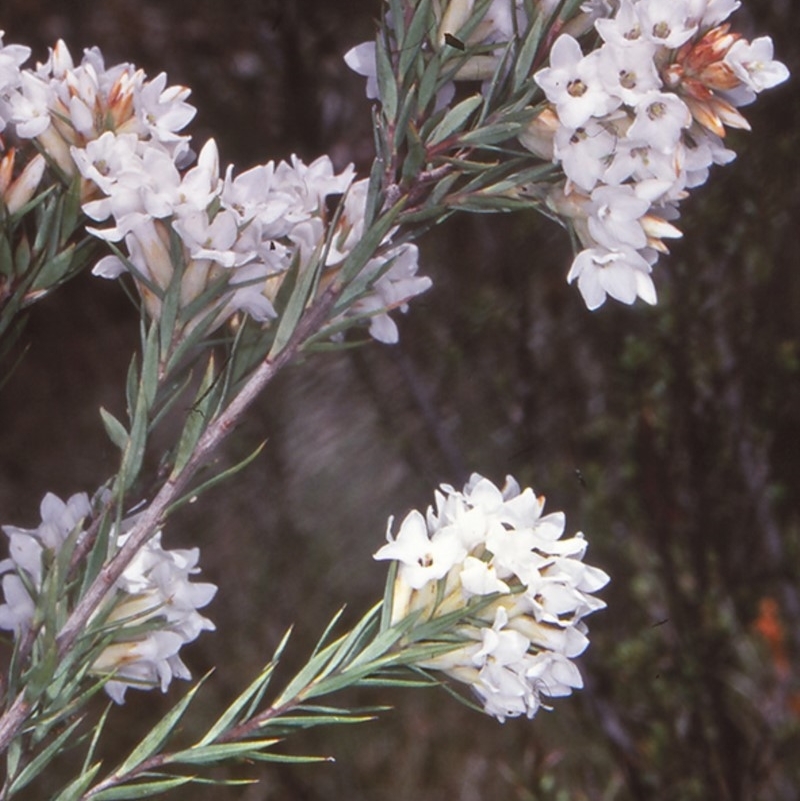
(670, 435)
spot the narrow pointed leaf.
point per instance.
(142, 789)
(156, 737)
(455, 118)
(43, 758)
(117, 432)
(204, 755)
(77, 787)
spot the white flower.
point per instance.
(361, 59)
(669, 24)
(423, 556)
(615, 217)
(660, 119)
(628, 72)
(624, 29)
(717, 11)
(30, 107)
(572, 83)
(11, 59)
(585, 152)
(392, 289)
(753, 64)
(622, 273)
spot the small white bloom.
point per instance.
(572, 83)
(616, 217)
(361, 59)
(622, 273)
(628, 72)
(422, 558)
(660, 119)
(717, 11)
(624, 28)
(669, 24)
(753, 64)
(585, 152)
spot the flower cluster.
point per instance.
(244, 231)
(238, 235)
(496, 544)
(154, 611)
(636, 123)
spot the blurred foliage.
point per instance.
(668, 434)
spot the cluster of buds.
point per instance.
(493, 544)
(154, 603)
(638, 122)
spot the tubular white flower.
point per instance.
(485, 542)
(155, 600)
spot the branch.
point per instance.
(153, 517)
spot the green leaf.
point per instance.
(527, 53)
(39, 677)
(99, 552)
(204, 755)
(13, 756)
(98, 730)
(268, 756)
(328, 629)
(22, 257)
(429, 84)
(491, 134)
(217, 479)
(117, 432)
(55, 269)
(416, 156)
(171, 302)
(157, 736)
(387, 86)
(77, 787)
(150, 362)
(388, 596)
(232, 714)
(197, 418)
(293, 722)
(72, 213)
(455, 118)
(422, 23)
(42, 759)
(398, 8)
(142, 789)
(148, 385)
(306, 278)
(6, 258)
